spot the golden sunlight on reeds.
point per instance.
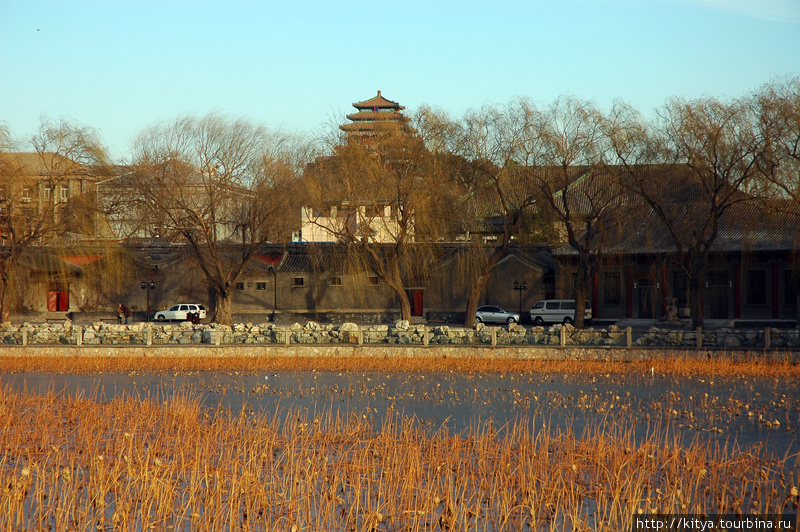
(754, 365)
(76, 463)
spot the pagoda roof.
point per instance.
(371, 116)
(371, 127)
(378, 102)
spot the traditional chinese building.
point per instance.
(374, 116)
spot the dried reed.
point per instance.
(680, 364)
(78, 463)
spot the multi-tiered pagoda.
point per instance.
(374, 116)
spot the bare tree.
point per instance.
(225, 187)
(496, 149)
(778, 108)
(698, 160)
(45, 193)
(374, 195)
(583, 197)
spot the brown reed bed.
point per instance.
(76, 463)
(753, 364)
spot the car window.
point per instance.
(552, 305)
(201, 307)
(174, 307)
(540, 304)
(568, 305)
(192, 307)
(184, 307)
(588, 305)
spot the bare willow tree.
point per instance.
(582, 196)
(495, 150)
(225, 187)
(778, 108)
(374, 195)
(45, 192)
(693, 164)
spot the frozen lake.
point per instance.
(746, 411)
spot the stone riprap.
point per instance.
(401, 333)
(721, 338)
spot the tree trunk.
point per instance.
(473, 297)
(405, 307)
(223, 313)
(476, 287)
(4, 311)
(402, 297)
(580, 305)
(5, 283)
(696, 299)
(584, 274)
(395, 282)
(697, 274)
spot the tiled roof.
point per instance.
(590, 190)
(378, 101)
(40, 164)
(371, 116)
(386, 126)
(319, 258)
(43, 262)
(745, 227)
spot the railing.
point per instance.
(401, 334)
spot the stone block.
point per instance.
(732, 340)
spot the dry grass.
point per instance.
(76, 463)
(681, 364)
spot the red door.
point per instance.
(57, 299)
(415, 298)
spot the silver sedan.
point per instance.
(493, 314)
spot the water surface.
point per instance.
(743, 411)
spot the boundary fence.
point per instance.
(401, 333)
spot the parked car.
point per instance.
(181, 312)
(492, 314)
(558, 311)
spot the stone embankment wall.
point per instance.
(402, 333)
(721, 338)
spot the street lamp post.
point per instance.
(520, 287)
(147, 287)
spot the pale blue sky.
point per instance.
(122, 65)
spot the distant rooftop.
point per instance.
(374, 113)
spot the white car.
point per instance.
(558, 311)
(181, 312)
